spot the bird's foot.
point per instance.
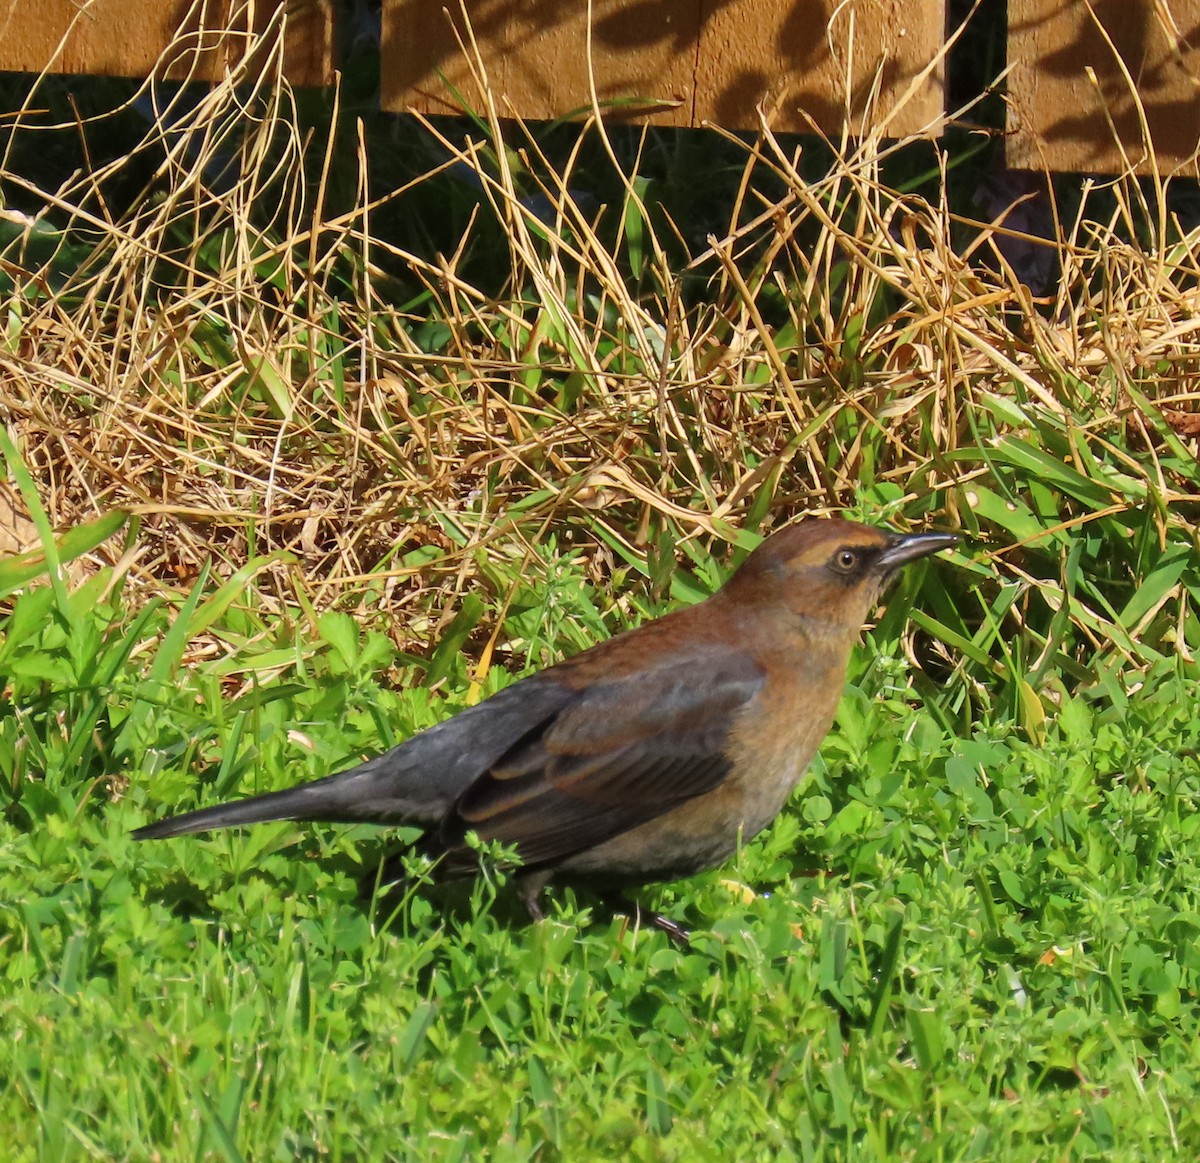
(529, 889)
(679, 936)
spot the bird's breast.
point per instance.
(771, 744)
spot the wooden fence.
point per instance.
(1090, 82)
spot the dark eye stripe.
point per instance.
(850, 562)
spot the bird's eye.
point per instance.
(845, 561)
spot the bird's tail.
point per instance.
(297, 803)
(382, 790)
(415, 783)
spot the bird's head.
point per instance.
(828, 572)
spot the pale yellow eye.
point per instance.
(845, 561)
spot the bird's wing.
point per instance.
(621, 753)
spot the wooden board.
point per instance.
(535, 55)
(818, 59)
(682, 63)
(126, 37)
(1060, 116)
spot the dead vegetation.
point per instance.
(225, 359)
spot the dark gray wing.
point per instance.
(618, 755)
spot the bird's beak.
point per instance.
(908, 548)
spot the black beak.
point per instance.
(906, 548)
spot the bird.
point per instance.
(646, 758)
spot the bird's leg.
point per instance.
(529, 889)
(620, 903)
(530, 885)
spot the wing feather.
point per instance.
(620, 753)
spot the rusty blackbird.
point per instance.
(645, 758)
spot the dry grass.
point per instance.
(220, 358)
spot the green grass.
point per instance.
(949, 947)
